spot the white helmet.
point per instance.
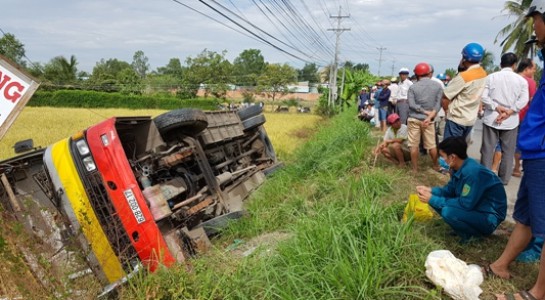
(537, 6)
(404, 71)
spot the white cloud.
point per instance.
(412, 31)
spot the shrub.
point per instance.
(92, 99)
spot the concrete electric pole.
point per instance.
(333, 69)
(380, 49)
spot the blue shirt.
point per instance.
(384, 96)
(473, 188)
(377, 94)
(531, 139)
(363, 97)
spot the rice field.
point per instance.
(288, 131)
(46, 125)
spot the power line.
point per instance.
(291, 21)
(250, 32)
(309, 30)
(24, 54)
(250, 35)
(298, 39)
(314, 19)
(216, 20)
(254, 26)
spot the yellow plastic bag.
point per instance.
(419, 209)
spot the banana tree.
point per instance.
(354, 81)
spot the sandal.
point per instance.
(525, 295)
(489, 273)
(516, 173)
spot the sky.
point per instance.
(408, 32)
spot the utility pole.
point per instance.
(342, 82)
(393, 66)
(380, 49)
(333, 69)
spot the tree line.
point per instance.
(209, 70)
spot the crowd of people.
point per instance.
(437, 114)
(432, 107)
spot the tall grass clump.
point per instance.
(347, 249)
(335, 149)
(339, 240)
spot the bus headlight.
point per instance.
(83, 149)
(89, 164)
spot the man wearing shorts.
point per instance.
(424, 102)
(384, 101)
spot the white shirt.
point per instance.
(441, 112)
(402, 133)
(508, 89)
(404, 89)
(394, 88)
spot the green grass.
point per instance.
(327, 227)
(340, 241)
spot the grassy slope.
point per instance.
(327, 227)
(341, 236)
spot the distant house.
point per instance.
(300, 87)
(302, 90)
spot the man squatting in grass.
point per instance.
(394, 146)
(473, 202)
(529, 212)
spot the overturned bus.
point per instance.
(137, 191)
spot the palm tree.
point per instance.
(488, 62)
(61, 70)
(69, 67)
(517, 33)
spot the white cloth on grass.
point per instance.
(458, 279)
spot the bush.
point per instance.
(292, 102)
(248, 96)
(324, 109)
(92, 99)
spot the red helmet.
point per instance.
(422, 69)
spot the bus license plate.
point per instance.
(133, 204)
